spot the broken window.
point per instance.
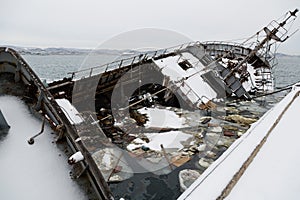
(185, 64)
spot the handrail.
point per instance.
(130, 61)
(261, 54)
(224, 42)
(189, 91)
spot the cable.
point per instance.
(288, 85)
(270, 93)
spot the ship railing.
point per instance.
(267, 56)
(198, 99)
(188, 90)
(217, 46)
(241, 49)
(86, 73)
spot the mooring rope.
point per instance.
(287, 87)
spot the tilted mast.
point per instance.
(270, 34)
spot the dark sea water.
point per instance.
(54, 67)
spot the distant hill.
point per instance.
(285, 55)
(77, 51)
(62, 51)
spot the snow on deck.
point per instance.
(162, 118)
(194, 87)
(34, 172)
(273, 174)
(170, 140)
(70, 111)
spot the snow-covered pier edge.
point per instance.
(249, 159)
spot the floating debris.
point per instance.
(115, 178)
(109, 161)
(240, 119)
(180, 159)
(228, 133)
(201, 147)
(155, 159)
(205, 120)
(205, 162)
(187, 177)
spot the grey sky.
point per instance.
(88, 23)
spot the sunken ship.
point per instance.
(115, 116)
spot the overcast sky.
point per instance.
(88, 23)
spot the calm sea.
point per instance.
(54, 67)
(287, 71)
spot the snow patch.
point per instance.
(170, 140)
(162, 118)
(70, 111)
(188, 81)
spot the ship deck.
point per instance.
(23, 167)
